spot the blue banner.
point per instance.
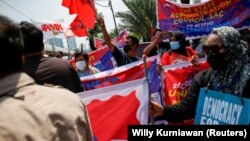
(155, 89)
(215, 108)
(198, 20)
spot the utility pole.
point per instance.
(116, 29)
(68, 48)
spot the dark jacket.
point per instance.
(53, 71)
(187, 108)
(122, 58)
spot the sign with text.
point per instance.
(177, 78)
(215, 108)
(51, 29)
(199, 19)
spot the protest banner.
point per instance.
(199, 19)
(112, 109)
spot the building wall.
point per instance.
(72, 43)
(56, 42)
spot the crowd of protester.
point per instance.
(41, 89)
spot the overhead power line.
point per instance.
(101, 5)
(15, 9)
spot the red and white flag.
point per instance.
(112, 109)
(120, 40)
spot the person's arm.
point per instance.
(158, 39)
(106, 36)
(150, 47)
(192, 53)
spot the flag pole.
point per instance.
(146, 76)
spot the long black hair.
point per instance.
(179, 36)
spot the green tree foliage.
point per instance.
(140, 18)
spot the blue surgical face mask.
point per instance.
(175, 45)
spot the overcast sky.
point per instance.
(52, 10)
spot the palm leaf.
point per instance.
(140, 17)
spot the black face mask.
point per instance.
(161, 45)
(127, 48)
(217, 61)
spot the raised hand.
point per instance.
(100, 21)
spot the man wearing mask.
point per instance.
(229, 73)
(83, 66)
(129, 54)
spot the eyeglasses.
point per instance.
(211, 49)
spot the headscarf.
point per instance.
(234, 77)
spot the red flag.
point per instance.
(77, 28)
(84, 9)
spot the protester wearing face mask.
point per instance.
(178, 51)
(229, 73)
(129, 54)
(82, 65)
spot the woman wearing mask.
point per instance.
(178, 51)
(82, 65)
